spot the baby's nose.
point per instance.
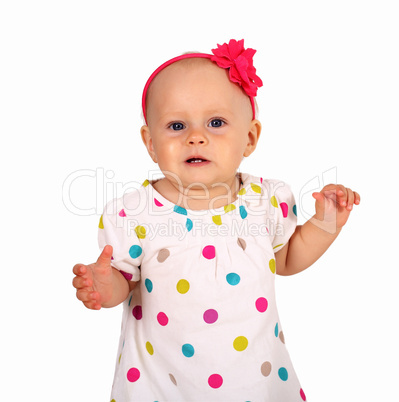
(196, 137)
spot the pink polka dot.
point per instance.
(215, 381)
(137, 312)
(303, 396)
(133, 374)
(122, 213)
(210, 316)
(284, 208)
(261, 304)
(127, 276)
(208, 252)
(162, 319)
(157, 203)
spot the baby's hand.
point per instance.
(93, 282)
(334, 203)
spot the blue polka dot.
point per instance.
(233, 279)
(243, 212)
(148, 285)
(188, 350)
(135, 251)
(283, 373)
(189, 224)
(294, 210)
(180, 210)
(276, 330)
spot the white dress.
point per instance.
(202, 325)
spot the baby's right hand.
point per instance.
(93, 282)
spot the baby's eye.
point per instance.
(177, 126)
(216, 123)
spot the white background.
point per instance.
(71, 78)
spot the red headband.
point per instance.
(231, 56)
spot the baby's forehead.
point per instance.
(194, 64)
(197, 69)
(199, 73)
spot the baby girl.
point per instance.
(193, 256)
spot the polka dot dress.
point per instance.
(202, 325)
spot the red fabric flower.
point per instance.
(238, 60)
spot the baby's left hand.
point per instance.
(334, 203)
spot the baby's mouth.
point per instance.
(196, 160)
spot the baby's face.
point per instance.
(199, 124)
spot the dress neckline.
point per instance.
(161, 201)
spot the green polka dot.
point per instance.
(283, 373)
(188, 350)
(135, 251)
(180, 210)
(148, 284)
(233, 279)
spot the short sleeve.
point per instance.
(115, 229)
(283, 209)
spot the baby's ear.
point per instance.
(253, 137)
(146, 137)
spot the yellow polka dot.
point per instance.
(230, 207)
(272, 265)
(240, 343)
(101, 224)
(278, 245)
(273, 201)
(242, 191)
(182, 286)
(256, 188)
(146, 183)
(149, 348)
(217, 219)
(120, 356)
(140, 232)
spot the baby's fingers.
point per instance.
(347, 198)
(80, 282)
(89, 299)
(79, 269)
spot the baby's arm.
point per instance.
(309, 242)
(99, 284)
